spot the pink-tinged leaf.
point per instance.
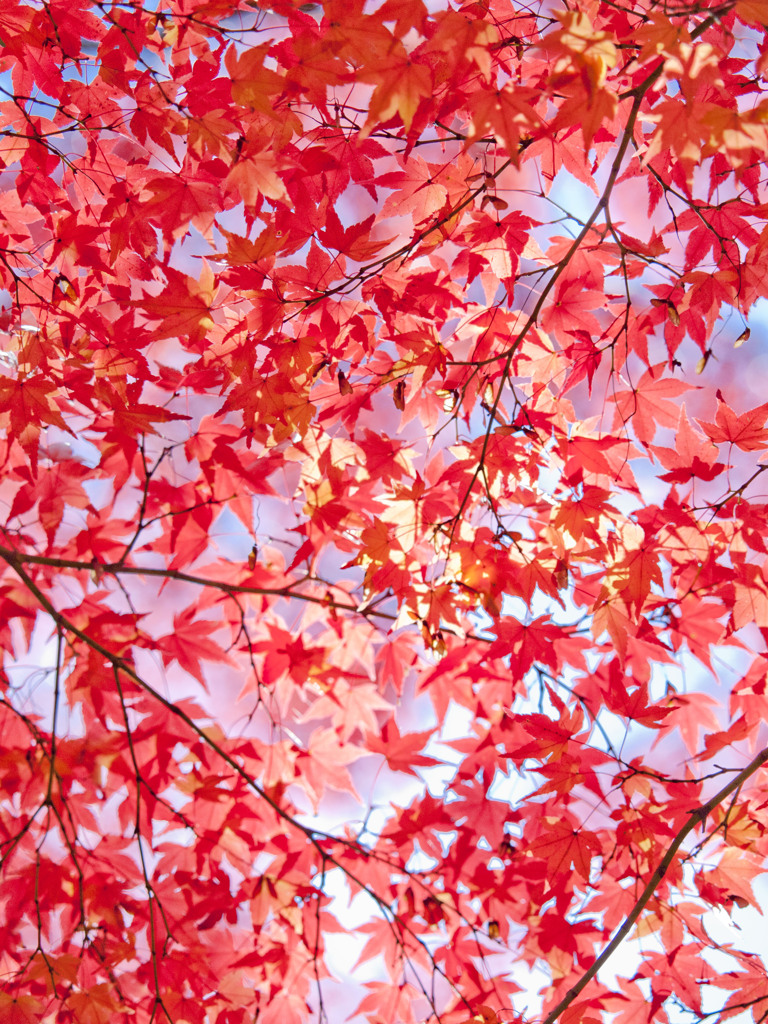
(650, 404)
(402, 751)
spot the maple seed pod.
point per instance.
(252, 557)
(560, 575)
(496, 202)
(399, 395)
(433, 912)
(742, 338)
(450, 398)
(493, 930)
(64, 286)
(345, 388)
(506, 848)
(667, 304)
(702, 363)
(485, 1015)
(410, 902)
(319, 367)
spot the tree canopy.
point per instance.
(383, 566)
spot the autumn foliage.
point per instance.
(383, 553)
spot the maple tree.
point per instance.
(382, 443)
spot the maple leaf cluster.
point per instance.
(382, 431)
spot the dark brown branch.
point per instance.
(697, 817)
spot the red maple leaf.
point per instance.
(692, 456)
(746, 431)
(402, 750)
(649, 404)
(336, 342)
(190, 643)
